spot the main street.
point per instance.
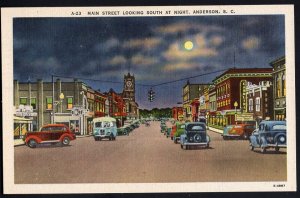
(146, 155)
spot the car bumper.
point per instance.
(195, 143)
(102, 136)
(276, 145)
(230, 135)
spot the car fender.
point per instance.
(263, 141)
(37, 139)
(182, 138)
(253, 140)
(279, 134)
(207, 138)
(65, 135)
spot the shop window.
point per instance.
(69, 102)
(33, 103)
(23, 101)
(49, 103)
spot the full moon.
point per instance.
(188, 45)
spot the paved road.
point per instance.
(146, 155)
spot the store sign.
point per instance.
(244, 117)
(25, 111)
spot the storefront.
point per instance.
(21, 126)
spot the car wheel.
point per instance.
(65, 141)
(175, 140)
(277, 149)
(32, 143)
(171, 138)
(262, 149)
(207, 145)
(181, 146)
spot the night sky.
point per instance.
(153, 48)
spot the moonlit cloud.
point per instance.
(175, 52)
(251, 43)
(146, 43)
(216, 40)
(117, 60)
(143, 60)
(180, 66)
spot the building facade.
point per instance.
(260, 100)
(58, 109)
(279, 91)
(177, 113)
(231, 98)
(189, 93)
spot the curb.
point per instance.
(215, 130)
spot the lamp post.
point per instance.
(55, 103)
(61, 97)
(235, 106)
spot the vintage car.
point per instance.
(242, 131)
(167, 132)
(270, 134)
(51, 133)
(194, 135)
(180, 128)
(163, 128)
(122, 131)
(104, 127)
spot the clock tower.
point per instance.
(129, 87)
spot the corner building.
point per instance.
(231, 98)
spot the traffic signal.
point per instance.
(151, 95)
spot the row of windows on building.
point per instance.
(33, 102)
(223, 103)
(223, 90)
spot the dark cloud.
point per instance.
(150, 47)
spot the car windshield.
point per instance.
(194, 127)
(279, 127)
(98, 124)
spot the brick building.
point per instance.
(260, 100)
(231, 93)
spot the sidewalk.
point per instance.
(19, 142)
(215, 130)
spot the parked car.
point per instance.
(163, 128)
(270, 134)
(180, 127)
(242, 131)
(122, 131)
(51, 133)
(167, 132)
(105, 127)
(194, 135)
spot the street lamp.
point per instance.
(55, 103)
(61, 97)
(235, 106)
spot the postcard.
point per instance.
(148, 99)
